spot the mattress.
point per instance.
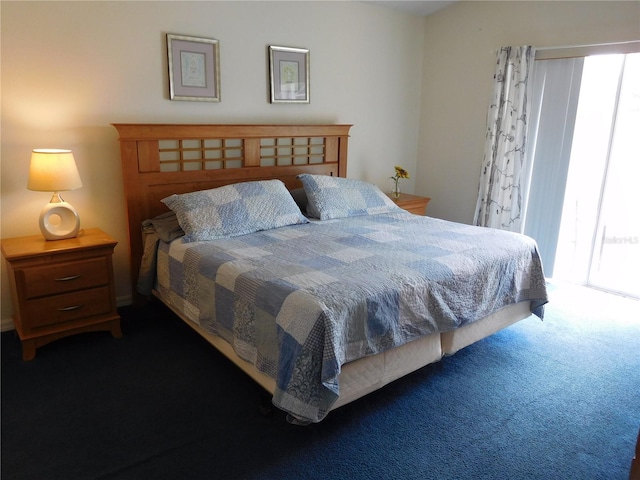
(362, 286)
(368, 374)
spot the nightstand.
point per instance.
(412, 203)
(61, 287)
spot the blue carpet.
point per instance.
(552, 399)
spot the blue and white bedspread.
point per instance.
(299, 302)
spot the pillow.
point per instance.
(165, 225)
(336, 197)
(300, 198)
(234, 210)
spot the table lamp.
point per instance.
(53, 170)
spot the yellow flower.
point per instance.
(401, 172)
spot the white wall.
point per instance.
(459, 61)
(69, 69)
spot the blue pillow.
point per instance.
(234, 210)
(336, 197)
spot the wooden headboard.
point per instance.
(160, 159)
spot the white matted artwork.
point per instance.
(194, 68)
(289, 74)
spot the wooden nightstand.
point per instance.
(412, 203)
(61, 287)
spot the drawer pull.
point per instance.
(66, 279)
(68, 309)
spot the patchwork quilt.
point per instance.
(301, 301)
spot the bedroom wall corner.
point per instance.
(459, 59)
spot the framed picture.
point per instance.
(289, 74)
(194, 68)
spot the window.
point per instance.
(584, 200)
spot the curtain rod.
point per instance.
(637, 42)
(550, 53)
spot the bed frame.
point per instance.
(160, 159)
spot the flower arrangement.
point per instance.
(400, 173)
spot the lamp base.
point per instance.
(59, 220)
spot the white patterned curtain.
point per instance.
(500, 202)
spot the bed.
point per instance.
(322, 304)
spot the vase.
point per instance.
(395, 191)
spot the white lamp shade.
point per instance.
(53, 171)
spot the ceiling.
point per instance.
(415, 7)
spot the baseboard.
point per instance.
(6, 324)
(124, 301)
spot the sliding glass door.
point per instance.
(599, 236)
(584, 201)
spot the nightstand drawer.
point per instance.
(419, 210)
(67, 307)
(412, 203)
(55, 279)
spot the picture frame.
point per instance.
(289, 74)
(194, 68)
